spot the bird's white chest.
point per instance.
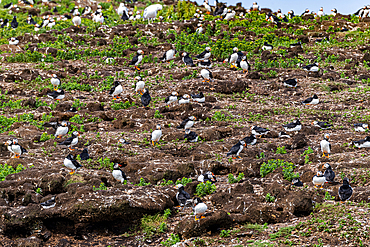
(240, 149)
(315, 101)
(170, 55)
(172, 99)
(156, 134)
(233, 58)
(140, 85)
(55, 81)
(184, 101)
(244, 65)
(139, 59)
(74, 141)
(68, 163)
(318, 180)
(118, 90)
(76, 20)
(61, 130)
(189, 124)
(205, 74)
(325, 146)
(117, 174)
(16, 149)
(199, 209)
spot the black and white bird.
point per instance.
(314, 100)
(291, 14)
(206, 75)
(199, 208)
(311, 67)
(139, 85)
(74, 11)
(185, 99)
(318, 180)
(60, 129)
(267, 47)
(72, 109)
(298, 44)
(297, 182)
(84, 155)
(198, 97)
(282, 134)
(258, 131)
(361, 127)
(171, 98)
(14, 23)
(290, 83)
(236, 149)
(168, 55)
(118, 174)
(57, 94)
(49, 203)
(187, 123)
(322, 125)
(232, 58)
(109, 60)
(76, 20)
(71, 163)
(345, 191)
(206, 54)
(123, 141)
(190, 136)
(329, 173)
(116, 90)
(205, 63)
(187, 59)
(293, 126)
(86, 10)
(122, 9)
(365, 143)
(125, 16)
(325, 145)
(5, 23)
(156, 134)
(15, 148)
(71, 141)
(136, 60)
(183, 198)
(55, 81)
(13, 41)
(8, 6)
(145, 98)
(9, 144)
(244, 65)
(320, 13)
(208, 176)
(250, 140)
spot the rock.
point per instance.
(366, 57)
(52, 184)
(229, 87)
(122, 122)
(299, 141)
(94, 107)
(10, 48)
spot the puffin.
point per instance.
(320, 13)
(9, 144)
(185, 99)
(49, 203)
(208, 176)
(74, 11)
(318, 180)
(293, 126)
(60, 129)
(219, 10)
(5, 23)
(329, 173)
(334, 12)
(71, 141)
(358, 12)
(86, 10)
(306, 12)
(244, 65)
(230, 14)
(145, 98)
(84, 155)
(290, 83)
(279, 14)
(206, 54)
(122, 9)
(55, 81)
(282, 134)
(361, 127)
(183, 198)
(258, 131)
(14, 23)
(187, 60)
(297, 182)
(199, 29)
(171, 98)
(168, 55)
(57, 94)
(311, 67)
(250, 140)
(322, 125)
(13, 41)
(199, 208)
(125, 16)
(255, 6)
(17, 149)
(156, 134)
(198, 97)
(123, 141)
(139, 85)
(150, 12)
(187, 123)
(314, 100)
(8, 6)
(190, 136)
(76, 20)
(207, 6)
(298, 44)
(267, 47)
(236, 149)
(116, 90)
(118, 174)
(205, 63)
(109, 60)
(291, 14)
(136, 60)
(71, 163)
(232, 58)
(365, 143)
(206, 74)
(325, 145)
(345, 191)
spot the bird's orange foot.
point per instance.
(208, 13)
(234, 158)
(72, 172)
(239, 157)
(196, 218)
(202, 217)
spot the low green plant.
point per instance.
(6, 169)
(281, 150)
(233, 180)
(184, 181)
(44, 137)
(225, 233)
(283, 232)
(155, 224)
(39, 191)
(271, 165)
(328, 197)
(101, 187)
(157, 114)
(165, 183)
(269, 198)
(122, 105)
(206, 188)
(142, 182)
(173, 239)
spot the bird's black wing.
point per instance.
(76, 164)
(183, 123)
(145, 99)
(84, 155)
(210, 74)
(192, 135)
(67, 141)
(345, 192)
(7, 5)
(54, 125)
(167, 99)
(124, 16)
(357, 12)
(201, 55)
(234, 149)
(164, 56)
(23, 150)
(289, 125)
(112, 90)
(308, 100)
(134, 60)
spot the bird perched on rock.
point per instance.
(49, 203)
(244, 65)
(314, 100)
(207, 6)
(145, 98)
(267, 47)
(71, 141)
(71, 163)
(85, 154)
(74, 11)
(290, 83)
(206, 75)
(297, 182)
(168, 55)
(182, 197)
(77, 20)
(9, 144)
(320, 13)
(15, 148)
(318, 180)
(123, 141)
(116, 90)
(187, 59)
(329, 173)
(136, 60)
(14, 23)
(55, 81)
(198, 97)
(190, 136)
(60, 129)
(205, 63)
(187, 123)
(140, 85)
(232, 58)
(86, 10)
(258, 131)
(361, 127)
(171, 98)
(230, 14)
(365, 143)
(122, 9)
(250, 140)
(255, 6)
(236, 149)
(185, 99)
(199, 29)
(199, 208)
(13, 41)
(118, 174)
(156, 134)
(345, 191)
(206, 54)
(325, 145)
(208, 176)
(322, 125)
(311, 67)
(293, 126)
(150, 12)
(282, 134)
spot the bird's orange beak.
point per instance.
(119, 164)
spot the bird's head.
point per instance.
(175, 94)
(243, 143)
(187, 131)
(295, 180)
(75, 133)
(8, 143)
(179, 186)
(345, 181)
(326, 166)
(321, 9)
(140, 52)
(158, 126)
(64, 123)
(183, 54)
(326, 136)
(366, 126)
(314, 122)
(208, 48)
(319, 174)
(235, 49)
(252, 127)
(15, 141)
(192, 118)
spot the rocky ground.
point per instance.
(92, 209)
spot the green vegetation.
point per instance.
(233, 180)
(154, 224)
(101, 187)
(269, 198)
(271, 165)
(142, 182)
(204, 189)
(5, 170)
(184, 181)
